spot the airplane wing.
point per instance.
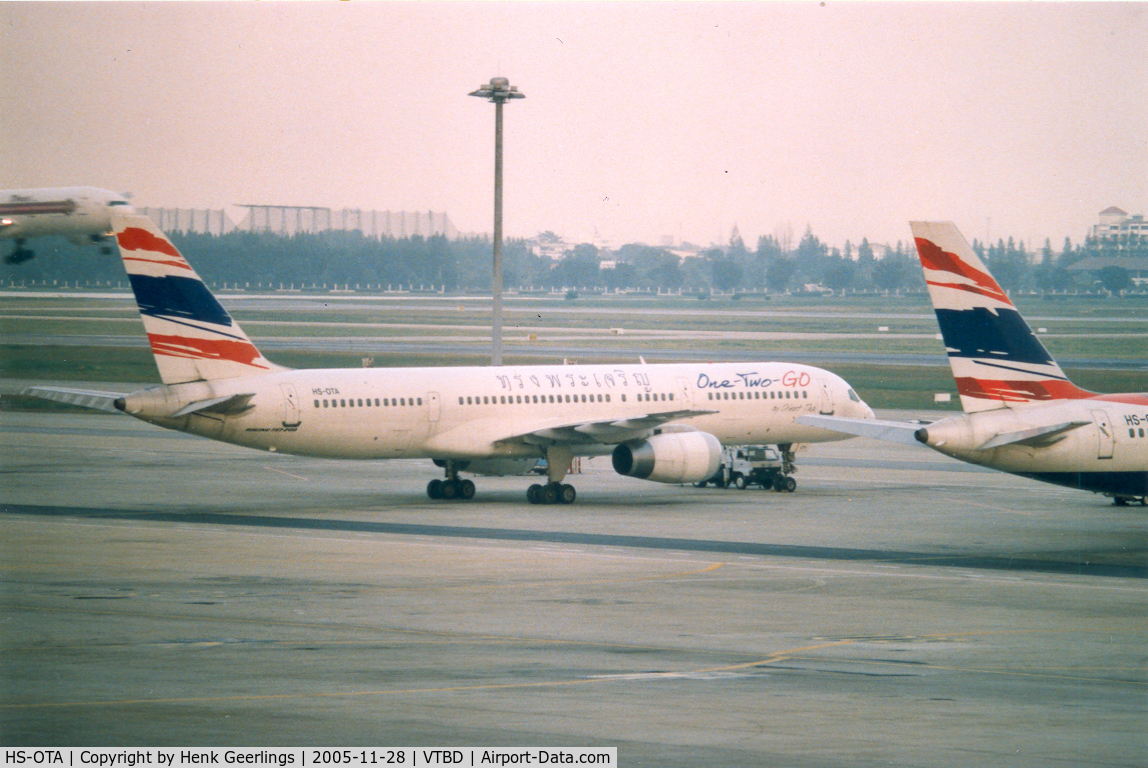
(85, 398)
(890, 431)
(605, 432)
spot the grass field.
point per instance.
(1073, 328)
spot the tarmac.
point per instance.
(898, 609)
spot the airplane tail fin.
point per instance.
(191, 335)
(997, 361)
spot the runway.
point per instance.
(898, 609)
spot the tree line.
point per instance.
(350, 259)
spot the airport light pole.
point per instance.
(499, 90)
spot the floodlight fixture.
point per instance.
(498, 90)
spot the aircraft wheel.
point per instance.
(534, 494)
(466, 489)
(790, 485)
(550, 493)
(449, 490)
(434, 489)
(567, 494)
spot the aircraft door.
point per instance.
(684, 390)
(827, 404)
(1105, 433)
(290, 406)
(434, 407)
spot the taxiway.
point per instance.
(898, 609)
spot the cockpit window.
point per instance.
(117, 202)
(853, 396)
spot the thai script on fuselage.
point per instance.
(573, 380)
(754, 380)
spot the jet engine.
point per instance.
(670, 457)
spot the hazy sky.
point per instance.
(641, 120)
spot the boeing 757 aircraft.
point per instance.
(82, 214)
(1021, 413)
(664, 423)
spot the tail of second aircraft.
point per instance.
(191, 334)
(997, 360)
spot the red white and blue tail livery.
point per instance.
(996, 358)
(191, 334)
(1022, 414)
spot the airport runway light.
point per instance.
(499, 90)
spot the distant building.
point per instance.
(1118, 228)
(203, 221)
(1136, 266)
(1119, 240)
(293, 219)
(549, 245)
(290, 220)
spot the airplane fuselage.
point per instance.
(68, 211)
(474, 412)
(1103, 446)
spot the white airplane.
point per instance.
(1021, 413)
(82, 214)
(664, 423)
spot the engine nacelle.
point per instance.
(671, 457)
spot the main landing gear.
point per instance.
(551, 493)
(451, 487)
(558, 458)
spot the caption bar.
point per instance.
(300, 757)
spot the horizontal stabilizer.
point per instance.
(227, 405)
(890, 431)
(85, 398)
(1036, 437)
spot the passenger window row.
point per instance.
(757, 394)
(392, 402)
(360, 402)
(1132, 432)
(593, 397)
